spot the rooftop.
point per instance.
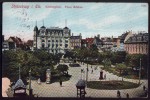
(18, 84)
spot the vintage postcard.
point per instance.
(79, 50)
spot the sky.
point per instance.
(89, 19)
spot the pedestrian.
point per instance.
(105, 76)
(144, 87)
(39, 81)
(60, 83)
(145, 92)
(118, 94)
(92, 71)
(127, 95)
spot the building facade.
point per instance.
(107, 43)
(137, 44)
(123, 38)
(54, 39)
(83, 43)
(5, 45)
(75, 41)
(90, 42)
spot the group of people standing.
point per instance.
(119, 94)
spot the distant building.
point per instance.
(75, 41)
(107, 43)
(54, 39)
(89, 41)
(123, 38)
(98, 42)
(84, 43)
(137, 44)
(15, 43)
(116, 44)
(29, 45)
(5, 45)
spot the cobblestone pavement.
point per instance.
(68, 88)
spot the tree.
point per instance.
(62, 68)
(118, 57)
(107, 63)
(121, 67)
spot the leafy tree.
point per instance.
(62, 68)
(121, 67)
(107, 63)
(118, 57)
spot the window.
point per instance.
(66, 45)
(43, 45)
(60, 44)
(43, 40)
(52, 40)
(56, 45)
(49, 41)
(66, 41)
(52, 45)
(48, 45)
(56, 51)
(60, 40)
(56, 40)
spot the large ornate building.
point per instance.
(137, 44)
(54, 39)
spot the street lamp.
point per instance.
(140, 71)
(30, 90)
(19, 72)
(87, 70)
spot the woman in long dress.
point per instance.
(39, 81)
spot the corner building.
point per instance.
(54, 39)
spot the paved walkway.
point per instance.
(69, 89)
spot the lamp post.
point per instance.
(30, 90)
(87, 70)
(140, 71)
(19, 72)
(81, 73)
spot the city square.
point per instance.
(69, 89)
(79, 53)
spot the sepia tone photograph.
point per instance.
(75, 50)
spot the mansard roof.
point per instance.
(75, 37)
(16, 40)
(66, 28)
(43, 27)
(138, 38)
(106, 39)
